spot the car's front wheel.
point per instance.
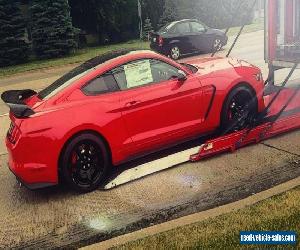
(85, 162)
(175, 53)
(239, 108)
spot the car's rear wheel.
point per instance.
(175, 53)
(217, 44)
(85, 162)
(238, 110)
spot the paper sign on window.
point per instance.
(138, 73)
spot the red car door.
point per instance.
(158, 109)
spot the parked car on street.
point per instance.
(121, 106)
(185, 37)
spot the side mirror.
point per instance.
(181, 76)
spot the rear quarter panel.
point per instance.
(49, 131)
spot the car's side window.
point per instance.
(120, 77)
(197, 27)
(100, 85)
(183, 28)
(134, 74)
(162, 71)
(143, 72)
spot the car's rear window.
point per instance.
(166, 28)
(183, 28)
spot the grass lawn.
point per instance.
(85, 54)
(257, 25)
(280, 213)
(80, 56)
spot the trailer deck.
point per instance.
(284, 116)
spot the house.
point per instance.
(259, 9)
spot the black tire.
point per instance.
(175, 52)
(85, 163)
(239, 108)
(217, 44)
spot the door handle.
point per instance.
(133, 103)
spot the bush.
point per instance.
(147, 29)
(13, 47)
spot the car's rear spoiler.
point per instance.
(15, 101)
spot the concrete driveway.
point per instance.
(57, 217)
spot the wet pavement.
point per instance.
(57, 217)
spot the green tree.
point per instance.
(241, 11)
(147, 29)
(214, 13)
(13, 47)
(52, 32)
(113, 20)
(170, 12)
(218, 13)
(154, 10)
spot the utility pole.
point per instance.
(140, 17)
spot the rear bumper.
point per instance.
(159, 49)
(31, 186)
(33, 174)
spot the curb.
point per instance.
(194, 218)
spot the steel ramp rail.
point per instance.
(284, 116)
(150, 168)
(232, 142)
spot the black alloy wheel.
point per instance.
(239, 109)
(85, 163)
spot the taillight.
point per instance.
(160, 41)
(13, 133)
(11, 129)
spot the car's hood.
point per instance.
(213, 64)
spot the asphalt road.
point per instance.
(57, 217)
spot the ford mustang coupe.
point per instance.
(120, 106)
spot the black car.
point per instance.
(185, 37)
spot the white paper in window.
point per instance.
(138, 73)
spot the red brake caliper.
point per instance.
(73, 161)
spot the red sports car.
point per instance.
(121, 106)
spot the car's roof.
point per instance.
(188, 20)
(172, 24)
(93, 63)
(184, 20)
(113, 55)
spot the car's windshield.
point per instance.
(190, 67)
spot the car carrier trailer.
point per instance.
(282, 103)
